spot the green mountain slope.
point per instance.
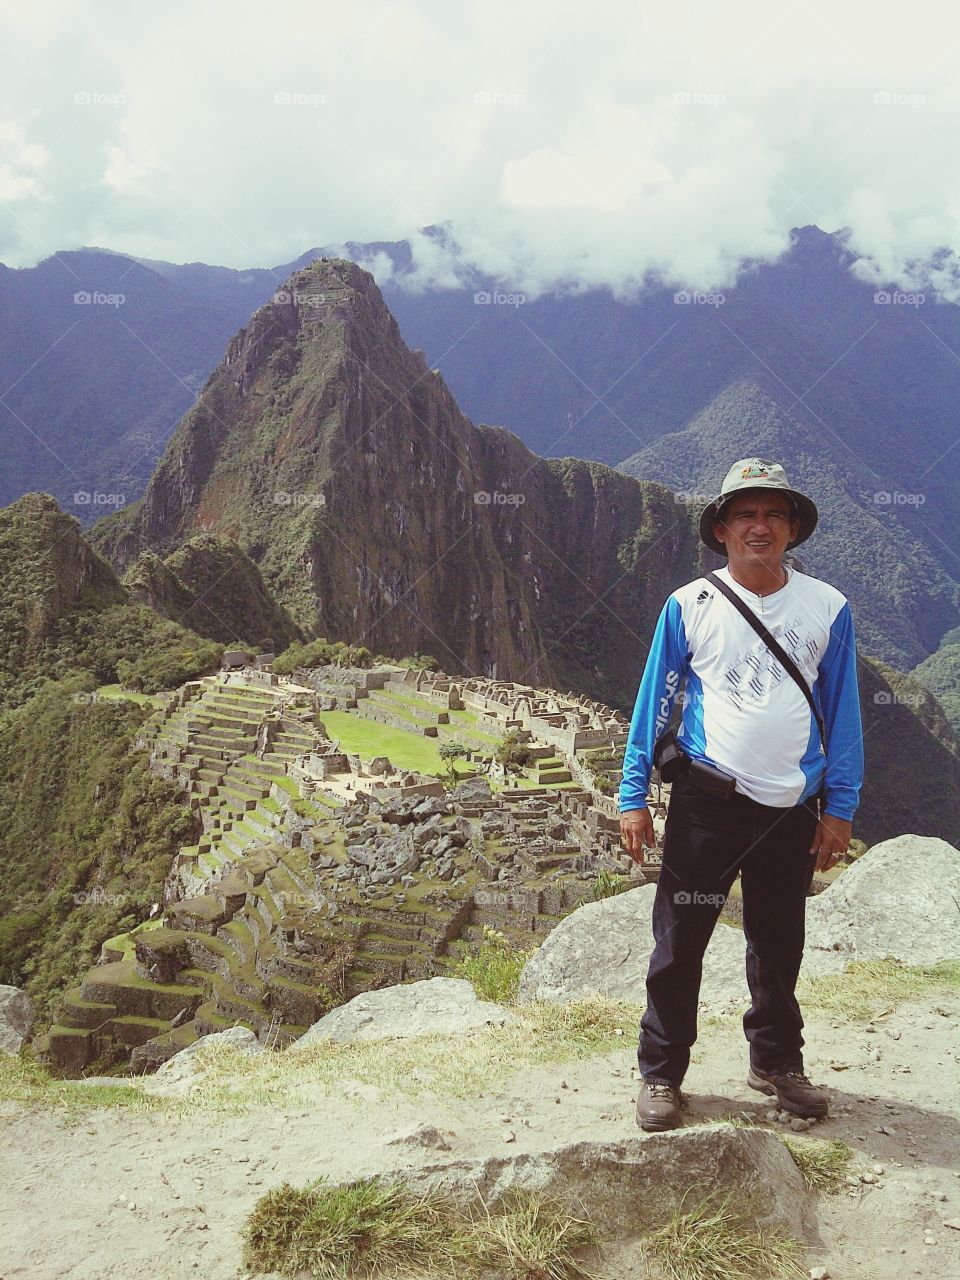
(940, 673)
(876, 551)
(64, 611)
(87, 834)
(211, 586)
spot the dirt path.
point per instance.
(112, 1196)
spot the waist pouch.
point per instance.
(671, 761)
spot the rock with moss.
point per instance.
(636, 1185)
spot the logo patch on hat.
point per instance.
(756, 470)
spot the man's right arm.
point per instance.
(667, 664)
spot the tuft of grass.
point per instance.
(608, 883)
(494, 968)
(371, 1228)
(532, 1236)
(229, 1082)
(30, 1083)
(709, 1242)
(866, 987)
(823, 1164)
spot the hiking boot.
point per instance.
(794, 1091)
(658, 1106)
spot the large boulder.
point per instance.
(447, 1006)
(634, 1186)
(188, 1063)
(900, 899)
(604, 948)
(473, 791)
(16, 1018)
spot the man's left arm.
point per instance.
(840, 708)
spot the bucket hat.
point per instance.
(757, 473)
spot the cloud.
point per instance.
(19, 177)
(563, 145)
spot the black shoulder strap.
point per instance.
(773, 645)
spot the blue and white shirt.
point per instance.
(742, 712)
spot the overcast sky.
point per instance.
(564, 143)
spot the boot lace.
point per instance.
(658, 1089)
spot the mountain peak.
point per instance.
(340, 463)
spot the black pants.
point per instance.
(706, 842)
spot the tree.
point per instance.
(513, 754)
(451, 751)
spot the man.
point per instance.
(745, 716)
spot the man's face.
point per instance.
(756, 527)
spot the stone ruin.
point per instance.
(316, 878)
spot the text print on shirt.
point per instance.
(672, 679)
(756, 671)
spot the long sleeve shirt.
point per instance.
(742, 712)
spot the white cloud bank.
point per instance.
(564, 144)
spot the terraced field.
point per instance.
(266, 922)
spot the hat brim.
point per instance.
(806, 510)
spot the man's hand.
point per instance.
(831, 838)
(636, 830)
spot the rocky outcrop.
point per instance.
(16, 1018)
(437, 1006)
(634, 1186)
(901, 899)
(604, 948)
